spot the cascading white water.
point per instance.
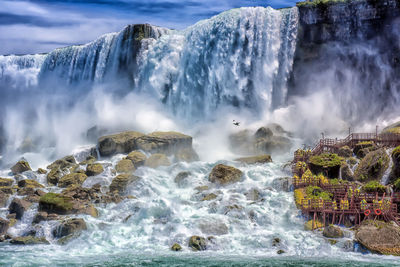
(240, 58)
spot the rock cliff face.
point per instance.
(351, 48)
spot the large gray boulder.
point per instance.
(124, 142)
(224, 175)
(164, 142)
(20, 167)
(69, 227)
(19, 206)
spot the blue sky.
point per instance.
(34, 26)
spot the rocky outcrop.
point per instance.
(30, 183)
(6, 182)
(224, 175)
(197, 243)
(157, 160)
(120, 182)
(18, 206)
(328, 163)
(372, 166)
(125, 166)
(379, 237)
(72, 179)
(94, 169)
(138, 158)
(70, 227)
(20, 167)
(256, 159)
(332, 231)
(62, 164)
(28, 240)
(118, 143)
(345, 151)
(164, 142)
(181, 178)
(346, 172)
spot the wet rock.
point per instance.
(197, 243)
(121, 182)
(72, 179)
(186, 155)
(40, 192)
(19, 206)
(138, 158)
(263, 133)
(89, 160)
(7, 190)
(213, 227)
(80, 193)
(157, 160)
(379, 237)
(345, 151)
(346, 172)
(56, 203)
(32, 198)
(4, 225)
(94, 169)
(181, 178)
(6, 182)
(282, 184)
(28, 240)
(176, 247)
(253, 195)
(276, 242)
(280, 251)
(256, 159)
(332, 231)
(164, 142)
(40, 216)
(63, 164)
(41, 171)
(372, 166)
(70, 227)
(20, 167)
(54, 176)
(29, 183)
(202, 188)
(3, 198)
(125, 166)
(209, 197)
(124, 142)
(363, 148)
(224, 175)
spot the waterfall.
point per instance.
(240, 58)
(386, 175)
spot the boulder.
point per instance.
(89, 160)
(124, 142)
(328, 164)
(72, 179)
(253, 195)
(197, 243)
(29, 183)
(186, 155)
(176, 247)
(94, 169)
(138, 158)
(157, 160)
(372, 166)
(256, 159)
(363, 148)
(121, 182)
(40, 216)
(125, 166)
(7, 190)
(6, 182)
(19, 206)
(4, 225)
(345, 151)
(332, 231)
(41, 171)
(28, 240)
(56, 203)
(209, 197)
(263, 133)
(70, 227)
(164, 142)
(379, 237)
(224, 175)
(20, 167)
(63, 164)
(346, 172)
(3, 199)
(54, 176)
(181, 178)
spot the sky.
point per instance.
(39, 26)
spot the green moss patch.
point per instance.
(374, 186)
(56, 203)
(315, 192)
(326, 160)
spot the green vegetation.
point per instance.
(315, 192)
(396, 152)
(326, 160)
(374, 186)
(56, 201)
(397, 183)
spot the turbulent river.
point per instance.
(233, 66)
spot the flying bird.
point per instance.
(236, 123)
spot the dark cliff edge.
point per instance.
(351, 46)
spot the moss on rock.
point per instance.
(72, 179)
(125, 166)
(328, 163)
(94, 169)
(55, 203)
(372, 166)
